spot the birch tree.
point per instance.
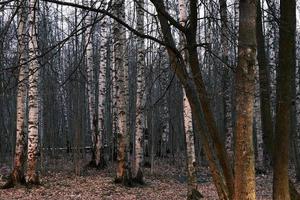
(193, 193)
(17, 175)
(91, 91)
(138, 157)
(33, 137)
(197, 95)
(102, 83)
(121, 65)
(226, 77)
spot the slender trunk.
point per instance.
(193, 193)
(264, 80)
(102, 87)
(91, 92)
(227, 104)
(138, 159)
(33, 135)
(17, 175)
(264, 83)
(283, 102)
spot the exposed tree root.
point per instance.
(196, 195)
(35, 181)
(126, 180)
(15, 178)
(139, 179)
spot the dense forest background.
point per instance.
(135, 90)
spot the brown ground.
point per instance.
(167, 183)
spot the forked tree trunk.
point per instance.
(244, 166)
(283, 101)
(193, 193)
(204, 100)
(33, 137)
(224, 184)
(138, 157)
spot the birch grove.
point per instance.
(177, 99)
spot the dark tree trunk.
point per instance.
(283, 102)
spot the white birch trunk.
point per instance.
(138, 159)
(121, 91)
(18, 173)
(32, 154)
(91, 91)
(190, 147)
(102, 80)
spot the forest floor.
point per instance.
(166, 183)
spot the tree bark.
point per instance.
(91, 91)
(17, 175)
(283, 102)
(123, 169)
(193, 193)
(179, 66)
(244, 166)
(264, 84)
(102, 87)
(140, 104)
(202, 92)
(227, 103)
(33, 135)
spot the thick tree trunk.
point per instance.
(123, 169)
(33, 135)
(244, 166)
(283, 102)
